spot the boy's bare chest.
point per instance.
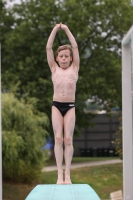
(64, 76)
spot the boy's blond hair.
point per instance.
(64, 47)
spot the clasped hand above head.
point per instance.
(61, 26)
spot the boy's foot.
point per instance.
(67, 179)
(60, 179)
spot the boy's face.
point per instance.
(64, 58)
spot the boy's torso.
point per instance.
(64, 81)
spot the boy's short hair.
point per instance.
(64, 47)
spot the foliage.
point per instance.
(98, 27)
(23, 135)
(118, 141)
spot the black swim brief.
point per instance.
(63, 107)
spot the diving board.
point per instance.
(63, 192)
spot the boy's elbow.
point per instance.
(75, 46)
(48, 47)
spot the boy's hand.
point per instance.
(58, 26)
(63, 26)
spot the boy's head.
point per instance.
(64, 47)
(64, 56)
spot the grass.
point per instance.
(103, 179)
(51, 162)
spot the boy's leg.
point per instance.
(57, 122)
(69, 124)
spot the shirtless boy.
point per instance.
(64, 77)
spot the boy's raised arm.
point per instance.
(50, 54)
(74, 45)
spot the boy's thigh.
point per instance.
(57, 121)
(69, 122)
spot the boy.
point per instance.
(64, 77)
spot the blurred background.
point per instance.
(98, 27)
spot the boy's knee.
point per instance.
(68, 141)
(59, 140)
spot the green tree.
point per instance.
(23, 135)
(98, 27)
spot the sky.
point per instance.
(11, 2)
